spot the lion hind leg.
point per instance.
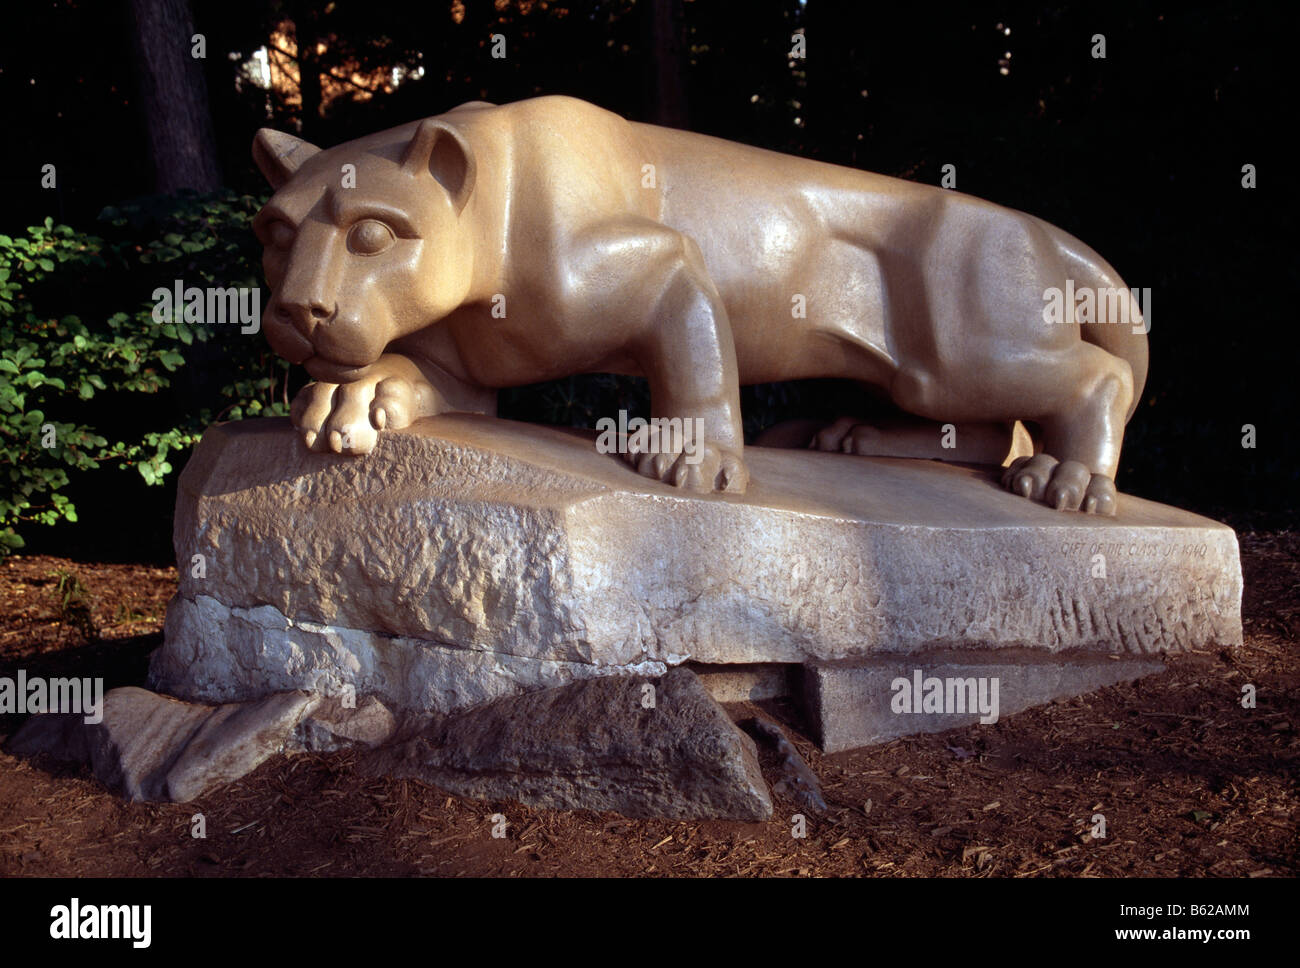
(994, 443)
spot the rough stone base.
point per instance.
(214, 652)
(748, 683)
(468, 559)
(852, 704)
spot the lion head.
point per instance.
(364, 243)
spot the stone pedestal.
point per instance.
(856, 703)
(468, 559)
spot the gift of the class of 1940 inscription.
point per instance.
(464, 595)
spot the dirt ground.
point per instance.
(1190, 784)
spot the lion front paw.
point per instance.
(704, 468)
(1064, 485)
(345, 418)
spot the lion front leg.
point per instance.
(686, 352)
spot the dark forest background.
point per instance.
(1140, 154)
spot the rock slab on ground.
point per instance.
(152, 747)
(854, 704)
(641, 747)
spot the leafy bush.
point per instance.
(80, 350)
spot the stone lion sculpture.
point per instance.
(417, 270)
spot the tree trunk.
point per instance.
(174, 97)
(666, 83)
(306, 36)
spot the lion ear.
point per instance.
(279, 155)
(441, 150)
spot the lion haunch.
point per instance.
(497, 246)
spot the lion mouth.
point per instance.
(327, 371)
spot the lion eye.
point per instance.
(280, 234)
(370, 237)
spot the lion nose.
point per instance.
(305, 317)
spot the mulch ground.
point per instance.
(1190, 783)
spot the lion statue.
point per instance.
(417, 270)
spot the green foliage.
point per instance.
(87, 377)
